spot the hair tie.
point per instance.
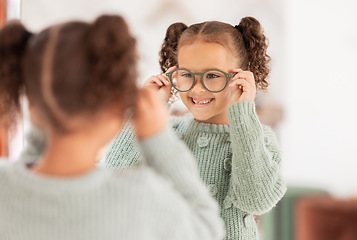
(239, 28)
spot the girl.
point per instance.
(79, 79)
(216, 68)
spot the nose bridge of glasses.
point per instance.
(198, 80)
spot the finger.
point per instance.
(244, 82)
(244, 74)
(237, 70)
(236, 87)
(164, 79)
(248, 75)
(239, 82)
(171, 69)
(156, 80)
(152, 80)
(242, 85)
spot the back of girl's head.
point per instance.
(245, 41)
(67, 70)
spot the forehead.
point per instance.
(200, 56)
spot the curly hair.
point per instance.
(13, 38)
(255, 42)
(168, 52)
(75, 68)
(246, 41)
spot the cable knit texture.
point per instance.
(239, 162)
(163, 199)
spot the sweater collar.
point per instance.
(205, 127)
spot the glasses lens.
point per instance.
(182, 80)
(214, 81)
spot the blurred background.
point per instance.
(311, 103)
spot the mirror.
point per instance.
(311, 101)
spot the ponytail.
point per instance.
(256, 46)
(168, 52)
(13, 41)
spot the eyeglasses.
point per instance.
(213, 80)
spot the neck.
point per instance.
(67, 156)
(218, 119)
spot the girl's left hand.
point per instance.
(243, 86)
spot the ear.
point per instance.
(35, 113)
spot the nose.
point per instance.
(198, 85)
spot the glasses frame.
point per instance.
(228, 76)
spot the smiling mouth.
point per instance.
(201, 102)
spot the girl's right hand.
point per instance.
(160, 83)
(151, 115)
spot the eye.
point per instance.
(187, 75)
(212, 75)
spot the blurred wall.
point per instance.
(319, 135)
(150, 19)
(312, 44)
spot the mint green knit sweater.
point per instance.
(164, 199)
(239, 162)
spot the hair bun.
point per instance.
(109, 32)
(14, 34)
(110, 41)
(168, 53)
(13, 41)
(111, 53)
(256, 44)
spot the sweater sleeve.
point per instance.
(256, 181)
(123, 151)
(171, 159)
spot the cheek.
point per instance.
(224, 96)
(183, 95)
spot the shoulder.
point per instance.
(6, 171)
(5, 164)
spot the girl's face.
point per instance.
(204, 105)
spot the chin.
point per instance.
(205, 119)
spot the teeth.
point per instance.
(201, 102)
